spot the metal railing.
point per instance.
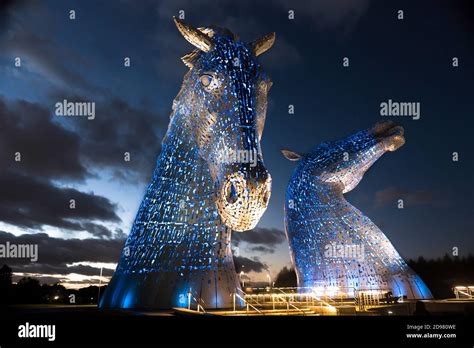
(303, 300)
(365, 299)
(464, 292)
(288, 302)
(245, 301)
(275, 297)
(199, 307)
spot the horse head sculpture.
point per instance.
(332, 243)
(343, 164)
(209, 181)
(223, 100)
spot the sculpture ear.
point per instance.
(290, 155)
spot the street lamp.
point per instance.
(241, 279)
(269, 280)
(100, 283)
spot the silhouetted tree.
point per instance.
(55, 293)
(5, 284)
(286, 278)
(442, 274)
(28, 290)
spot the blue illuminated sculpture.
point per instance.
(209, 180)
(332, 244)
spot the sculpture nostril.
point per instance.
(231, 194)
(266, 196)
(267, 191)
(395, 142)
(396, 130)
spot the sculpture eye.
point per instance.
(211, 82)
(206, 80)
(265, 85)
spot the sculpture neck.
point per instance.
(308, 192)
(179, 160)
(182, 180)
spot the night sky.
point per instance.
(407, 60)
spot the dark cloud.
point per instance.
(59, 65)
(249, 265)
(62, 148)
(30, 202)
(119, 128)
(47, 149)
(35, 191)
(55, 253)
(57, 250)
(267, 237)
(96, 230)
(54, 153)
(262, 249)
(119, 234)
